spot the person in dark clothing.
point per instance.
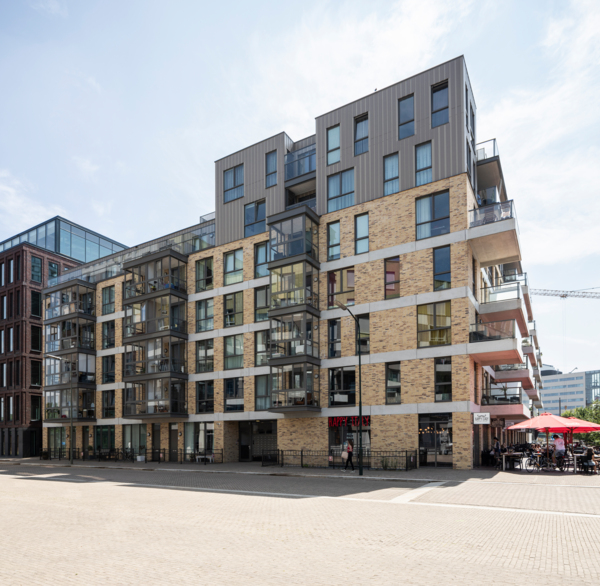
(350, 450)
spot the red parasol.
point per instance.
(583, 426)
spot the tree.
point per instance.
(589, 413)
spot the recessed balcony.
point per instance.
(515, 373)
(506, 402)
(301, 163)
(155, 399)
(495, 343)
(504, 302)
(295, 388)
(530, 351)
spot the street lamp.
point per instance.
(62, 359)
(360, 451)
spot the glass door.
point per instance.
(245, 441)
(435, 440)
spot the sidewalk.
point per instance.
(425, 474)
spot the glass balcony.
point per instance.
(520, 278)
(293, 399)
(487, 150)
(153, 326)
(135, 289)
(504, 292)
(295, 387)
(79, 368)
(488, 196)
(299, 235)
(73, 299)
(58, 405)
(293, 285)
(493, 331)
(158, 314)
(300, 162)
(295, 335)
(504, 396)
(511, 367)
(492, 213)
(162, 397)
(71, 334)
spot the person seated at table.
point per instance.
(503, 449)
(590, 462)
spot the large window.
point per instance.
(234, 309)
(36, 373)
(262, 301)
(333, 241)
(52, 270)
(439, 104)
(441, 268)
(271, 168)
(108, 369)
(261, 392)
(434, 324)
(233, 183)
(204, 315)
(364, 340)
(392, 383)
(234, 267)
(261, 347)
(361, 135)
(392, 277)
(1, 274)
(298, 235)
(333, 145)
(406, 117)
(36, 408)
(261, 258)
(340, 287)
(108, 404)
(340, 190)
(433, 215)
(361, 234)
(234, 351)
(205, 358)
(254, 218)
(294, 335)
(36, 269)
(36, 339)
(423, 173)
(204, 275)
(443, 379)
(334, 338)
(205, 397)
(108, 300)
(234, 394)
(294, 285)
(108, 334)
(342, 386)
(36, 304)
(391, 174)
(11, 268)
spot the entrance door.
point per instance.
(245, 441)
(173, 441)
(156, 442)
(264, 438)
(435, 440)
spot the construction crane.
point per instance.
(565, 294)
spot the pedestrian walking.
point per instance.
(350, 451)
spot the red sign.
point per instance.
(346, 421)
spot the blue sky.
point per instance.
(112, 113)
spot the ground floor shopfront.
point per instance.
(20, 442)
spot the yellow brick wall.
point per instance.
(462, 441)
(303, 433)
(395, 432)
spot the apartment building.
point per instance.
(27, 261)
(567, 391)
(227, 335)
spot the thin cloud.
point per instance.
(86, 168)
(52, 7)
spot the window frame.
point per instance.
(360, 239)
(391, 179)
(331, 256)
(109, 368)
(341, 194)
(422, 170)
(264, 309)
(108, 307)
(435, 327)
(34, 269)
(235, 185)
(441, 361)
(203, 284)
(258, 273)
(39, 304)
(255, 205)
(207, 403)
(37, 380)
(331, 297)
(437, 272)
(266, 397)
(359, 141)
(235, 354)
(39, 336)
(262, 358)
(365, 317)
(389, 389)
(209, 319)
(338, 148)
(385, 279)
(433, 220)
(205, 360)
(334, 345)
(235, 273)
(107, 407)
(238, 393)
(272, 173)
(233, 318)
(443, 85)
(348, 392)
(51, 265)
(412, 120)
(106, 336)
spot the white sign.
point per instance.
(481, 418)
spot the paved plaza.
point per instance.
(243, 524)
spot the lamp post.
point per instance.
(70, 406)
(360, 451)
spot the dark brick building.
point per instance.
(28, 263)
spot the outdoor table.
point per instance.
(510, 455)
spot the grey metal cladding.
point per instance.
(304, 142)
(230, 216)
(448, 151)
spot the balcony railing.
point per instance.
(300, 162)
(504, 292)
(152, 285)
(487, 150)
(531, 325)
(69, 308)
(300, 398)
(511, 367)
(294, 348)
(64, 378)
(69, 344)
(509, 396)
(155, 366)
(63, 413)
(152, 326)
(492, 213)
(515, 278)
(294, 297)
(155, 407)
(492, 331)
(293, 248)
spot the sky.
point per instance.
(112, 113)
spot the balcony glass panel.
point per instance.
(70, 335)
(300, 162)
(154, 397)
(491, 331)
(492, 213)
(487, 150)
(504, 292)
(155, 315)
(58, 404)
(159, 275)
(294, 386)
(295, 335)
(504, 396)
(294, 285)
(155, 356)
(74, 299)
(299, 235)
(79, 368)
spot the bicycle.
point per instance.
(533, 463)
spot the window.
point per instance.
(1, 274)
(392, 383)
(234, 267)
(340, 286)
(392, 277)
(433, 215)
(36, 269)
(2, 379)
(433, 324)
(204, 275)
(340, 190)
(441, 268)
(271, 168)
(472, 119)
(1, 341)
(333, 145)
(234, 351)
(108, 300)
(10, 339)
(52, 270)
(254, 218)
(423, 164)
(108, 369)
(3, 314)
(36, 373)
(36, 304)
(233, 183)
(18, 303)
(406, 117)
(334, 338)
(36, 408)
(261, 258)
(443, 379)
(295, 284)
(234, 394)
(468, 158)
(10, 304)
(439, 104)
(10, 408)
(108, 404)
(361, 234)
(234, 309)
(205, 355)
(361, 135)
(262, 301)
(108, 334)
(391, 176)
(18, 337)
(365, 335)
(204, 315)
(333, 241)
(36, 339)
(261, 346)
(342, 386)
(205, 397)
(261, 392)
(11, 269)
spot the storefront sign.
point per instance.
(346, 421)
(481, 418)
